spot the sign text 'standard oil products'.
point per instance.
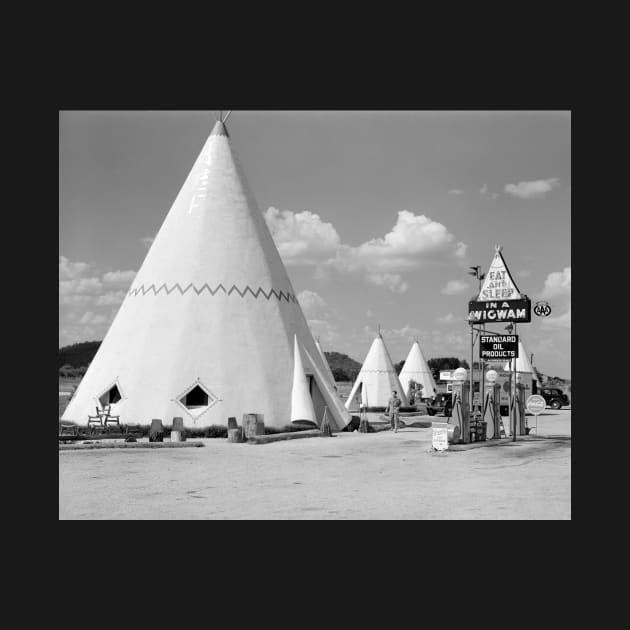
(500, 311)
(499, 346)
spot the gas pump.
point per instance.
(460, 411)
(492, 406)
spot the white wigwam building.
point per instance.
(211, 324)
(416, 369)
(377, 378)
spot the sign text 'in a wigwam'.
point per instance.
(519, 311)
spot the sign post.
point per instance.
(514, 395)
(535, 404)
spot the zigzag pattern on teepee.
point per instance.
(289, 297)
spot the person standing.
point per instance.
(393, 410)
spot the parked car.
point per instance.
(555, 398)
(441, 403)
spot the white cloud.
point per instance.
(302, 238)
(485, 191)
(322, 320)
(324, 330)
(391, 281)
(562, 321)
(557, 284)
(112, 298)
(447, 319)
(91, 318)
(80, 286)
(533, 189)
(69, 270)
(460, 250)
(68, 299)
(313, 305)
(84, 295)
(455, 287)
(119, 279)
(414, 241)
(455, 191)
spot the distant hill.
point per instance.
(342, 366)
(79, 354)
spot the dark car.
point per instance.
(441, 403)
(555, 398)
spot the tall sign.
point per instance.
(495, 347)
(499, 299)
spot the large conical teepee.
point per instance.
(377, 378)
(416, 369)
(208, 328)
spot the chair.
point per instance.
(68, 429)
(108, 418)
(95, 421)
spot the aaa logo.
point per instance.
(542, 309)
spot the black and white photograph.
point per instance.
(314, 314)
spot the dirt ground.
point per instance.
(350, 476)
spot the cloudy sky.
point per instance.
(377, 216)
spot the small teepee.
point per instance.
(211, 325)
(301, 400)
(416, 369)
(377, 378)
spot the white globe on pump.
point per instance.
(491, 376)
(460, 374)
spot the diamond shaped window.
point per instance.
(195, 398)
(111, 396)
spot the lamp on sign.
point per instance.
(460, 374)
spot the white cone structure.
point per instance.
(522, 361)
(416, 369)
(301, 401)
(329, 373)
(377, 378)
(207, 329)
